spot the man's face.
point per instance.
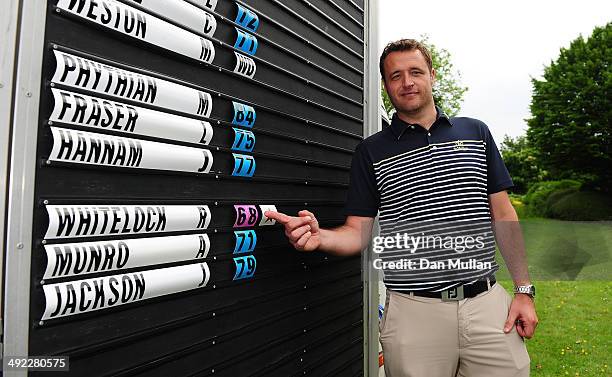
(408, 81)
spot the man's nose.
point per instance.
(407, 81)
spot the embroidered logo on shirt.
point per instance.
(459, 145)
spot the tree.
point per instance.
(570, 112)
(447, 91)
(519, 158)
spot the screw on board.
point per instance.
(45, 202)
(216, 203)
(50, 123)
(28, 94)
(52, 85)
(44, 242)
(41, 323)
(20, 245)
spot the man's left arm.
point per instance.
(509, 239)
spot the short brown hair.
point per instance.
(404, 45)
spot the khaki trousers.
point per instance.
(428, 337)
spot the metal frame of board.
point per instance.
(371, 125)
(30, 29)
(8, 23)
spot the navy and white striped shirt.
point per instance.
(431, 185)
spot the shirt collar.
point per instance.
(398, 126)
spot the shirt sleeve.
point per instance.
(498, 177)
(363, 198)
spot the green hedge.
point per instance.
(582, 205)
(554, 197)
(537, 196)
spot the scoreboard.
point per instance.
(165, 129)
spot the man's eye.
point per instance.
(395, 77)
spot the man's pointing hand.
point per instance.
(302, 231)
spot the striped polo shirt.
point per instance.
(430, 190)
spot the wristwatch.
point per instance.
(526, 289)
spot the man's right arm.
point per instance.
(348, 239)
(304, 234)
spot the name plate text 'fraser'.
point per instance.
(94, 112)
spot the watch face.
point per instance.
(527, 289)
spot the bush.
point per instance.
(538, 194)
(583, 205)
(554, 197)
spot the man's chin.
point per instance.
(409, 109)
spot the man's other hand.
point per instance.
(522, 314)
(302, 231)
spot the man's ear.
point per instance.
(433, 75)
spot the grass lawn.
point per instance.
(574, 334)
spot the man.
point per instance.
(422, 173)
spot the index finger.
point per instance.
(278, 216)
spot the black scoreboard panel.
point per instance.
(167, 129)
